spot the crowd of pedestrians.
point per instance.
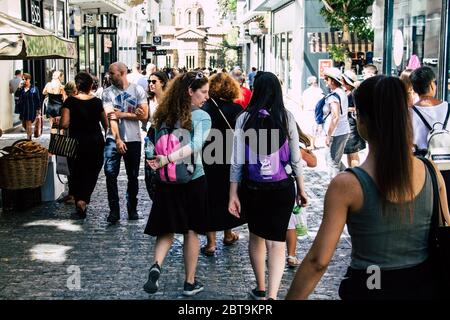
(221, 152)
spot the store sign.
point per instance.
(160, 52)
(75, 22)
(157, 40)
(323, 64)
(103, 30)
(35, 13)
(89, 20)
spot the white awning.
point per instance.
(109, 6)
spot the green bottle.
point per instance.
(300, 221)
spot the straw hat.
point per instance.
(333, 73)
(350, 78)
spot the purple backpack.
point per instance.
(267, 169)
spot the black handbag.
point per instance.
(439, 240)
(63, 145)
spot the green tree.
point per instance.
(227, 7)
(349, 16)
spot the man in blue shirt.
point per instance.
(251, 78)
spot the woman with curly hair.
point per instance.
(179, 207)
(223, 89)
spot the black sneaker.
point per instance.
(258, 294)
(133, 216)
(113, 217)
(152, 284)
(191, 289)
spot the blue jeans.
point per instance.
(132, 160)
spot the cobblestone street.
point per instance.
(39, 246)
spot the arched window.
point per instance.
(189, 18)
(179, 17)
(200, 17)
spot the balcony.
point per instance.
(105, 6)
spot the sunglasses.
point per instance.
(152, 81)
(198, 76)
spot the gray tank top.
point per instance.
(386, 237)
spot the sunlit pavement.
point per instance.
(42, 252)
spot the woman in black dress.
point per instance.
(54, 90)
(82, 114)
(354, 143)
(223, 112)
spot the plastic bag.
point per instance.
(301, 223)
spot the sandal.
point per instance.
(208, 251)
(232, 241)
(292, 262)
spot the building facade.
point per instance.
(192, 33)
(7, 116)
(274, 35)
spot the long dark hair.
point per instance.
(267, 94)
(176, 103)
(162, 76)
(382, 106)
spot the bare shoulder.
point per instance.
(346, 188)
(344, 180)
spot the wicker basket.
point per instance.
(21, 169)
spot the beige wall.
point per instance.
(7, 117)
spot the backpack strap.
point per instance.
(221, 113)
(423, 119)
(339, 98)
(446, 117)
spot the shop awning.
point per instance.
(22, 40)
(321, 41)
(104, 6)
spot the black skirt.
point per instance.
(268, 211)
(354, 143)
(218, 177)
(179, 208)
(414, 283)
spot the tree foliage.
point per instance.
(227, 7)
(349, 16)
(351, 13)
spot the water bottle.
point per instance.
(300, 221)
(149, 149)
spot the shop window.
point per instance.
(169, 61)
(289, 59)
(212, 61)
(416, 34)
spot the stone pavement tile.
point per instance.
(40, 245)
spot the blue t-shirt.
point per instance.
(201, 126)
(251, 78)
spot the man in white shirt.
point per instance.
(310, 97)
(125, 104)
(136, 76)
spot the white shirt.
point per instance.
(310, 97)
(343, 127)
(432, 115)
